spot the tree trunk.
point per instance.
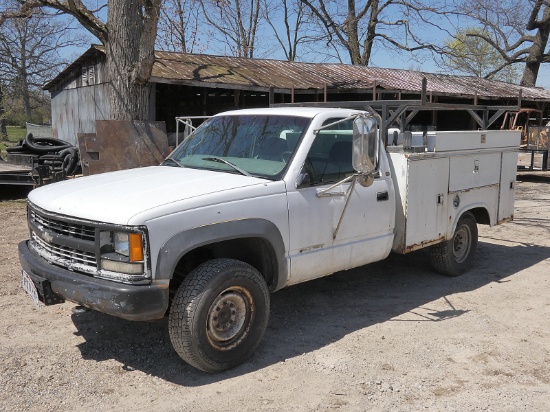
(353, 43)
(530, 74)
(352, 31)
(371, 33)
(130, 57)
(535, 57)
(25, 94)
(3, 130)
(536, 51)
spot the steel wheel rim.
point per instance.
(229, 318)
(462, 243)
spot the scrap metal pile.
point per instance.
(51, 160)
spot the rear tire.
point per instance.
(219, 314)
(455, 256)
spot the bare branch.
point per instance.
(74, 8)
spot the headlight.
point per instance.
(122, 256)
(122, 243)
(129, 245)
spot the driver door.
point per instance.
(365, 233)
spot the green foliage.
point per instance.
(40, 110)
(468, 53)
(14, 135)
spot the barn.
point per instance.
(198, 85)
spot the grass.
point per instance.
(15, 134)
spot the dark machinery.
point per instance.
(38, 161)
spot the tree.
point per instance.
(30, 56)
(129, 38)
(468, 53)
(235, 23)
(539, 22)
(355, 26)
(517, 29)
(3, 130)
(180, 26)
(291, 35)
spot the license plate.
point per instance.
(30, 288)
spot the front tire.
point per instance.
(455, 256)
(219, 314)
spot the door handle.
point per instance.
(381, 196)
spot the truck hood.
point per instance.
(118, 196)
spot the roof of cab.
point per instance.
(309, 112)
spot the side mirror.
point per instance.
(364, 148)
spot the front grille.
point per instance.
(69, 258)
(64, 252)
(76, 230)
(57, 240)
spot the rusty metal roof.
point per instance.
(262, 74)
(255, 73)
(206, 70)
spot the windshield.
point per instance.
(257, 145)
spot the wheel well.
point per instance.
(257, 252)
(481, 214)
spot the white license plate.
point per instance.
(30, 288)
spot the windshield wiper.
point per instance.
(220, 160)
(171, 160)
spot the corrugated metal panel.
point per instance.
(255, 72)
(193, 69)
(218, 71)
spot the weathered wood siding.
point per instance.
(80, 99)
(75, 110)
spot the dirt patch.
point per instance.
(392, 336)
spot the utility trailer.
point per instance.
(15, 174)
(31, 170)
(38, 161)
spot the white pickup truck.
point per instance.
(254, 201)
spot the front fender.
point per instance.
(182, 243)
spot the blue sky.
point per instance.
(382, 57)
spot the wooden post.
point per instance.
(271, 95)
(423, 93)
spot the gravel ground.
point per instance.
(391, 336)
